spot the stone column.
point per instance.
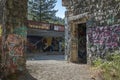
(15, 15)
(66, 39)
(74, 42)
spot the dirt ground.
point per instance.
(53, 68)
(58, 70)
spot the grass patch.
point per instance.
(110, 67)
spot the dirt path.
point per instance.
(58, 70)
(55, 68)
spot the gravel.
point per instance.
(57, 70)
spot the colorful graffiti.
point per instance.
(15, 49)
(104, 38)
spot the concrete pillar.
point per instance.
(66, 39)
(14, 35)
(74, 43)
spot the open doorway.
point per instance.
(45, 27)
(82, 52)
(43, 44)
(44, 40)
(45, 48)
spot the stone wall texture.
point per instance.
(102, 20)
(14, 36)
(103, 39)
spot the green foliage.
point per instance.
(41, 10)
(57, 20)
(97, 62)
(110, 67)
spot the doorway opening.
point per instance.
(45, 28)
(44, 40)
(45, 48)
(43, 44)
(82, 51)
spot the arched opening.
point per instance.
(45, 34)
(44, 39)
(14, 35)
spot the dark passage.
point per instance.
(82, 52)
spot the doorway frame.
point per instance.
(73, 55)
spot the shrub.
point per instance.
(110, 66)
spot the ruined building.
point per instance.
(92, 28)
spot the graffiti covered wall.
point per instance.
(15, 49)
(102, 39)
(13, 37)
